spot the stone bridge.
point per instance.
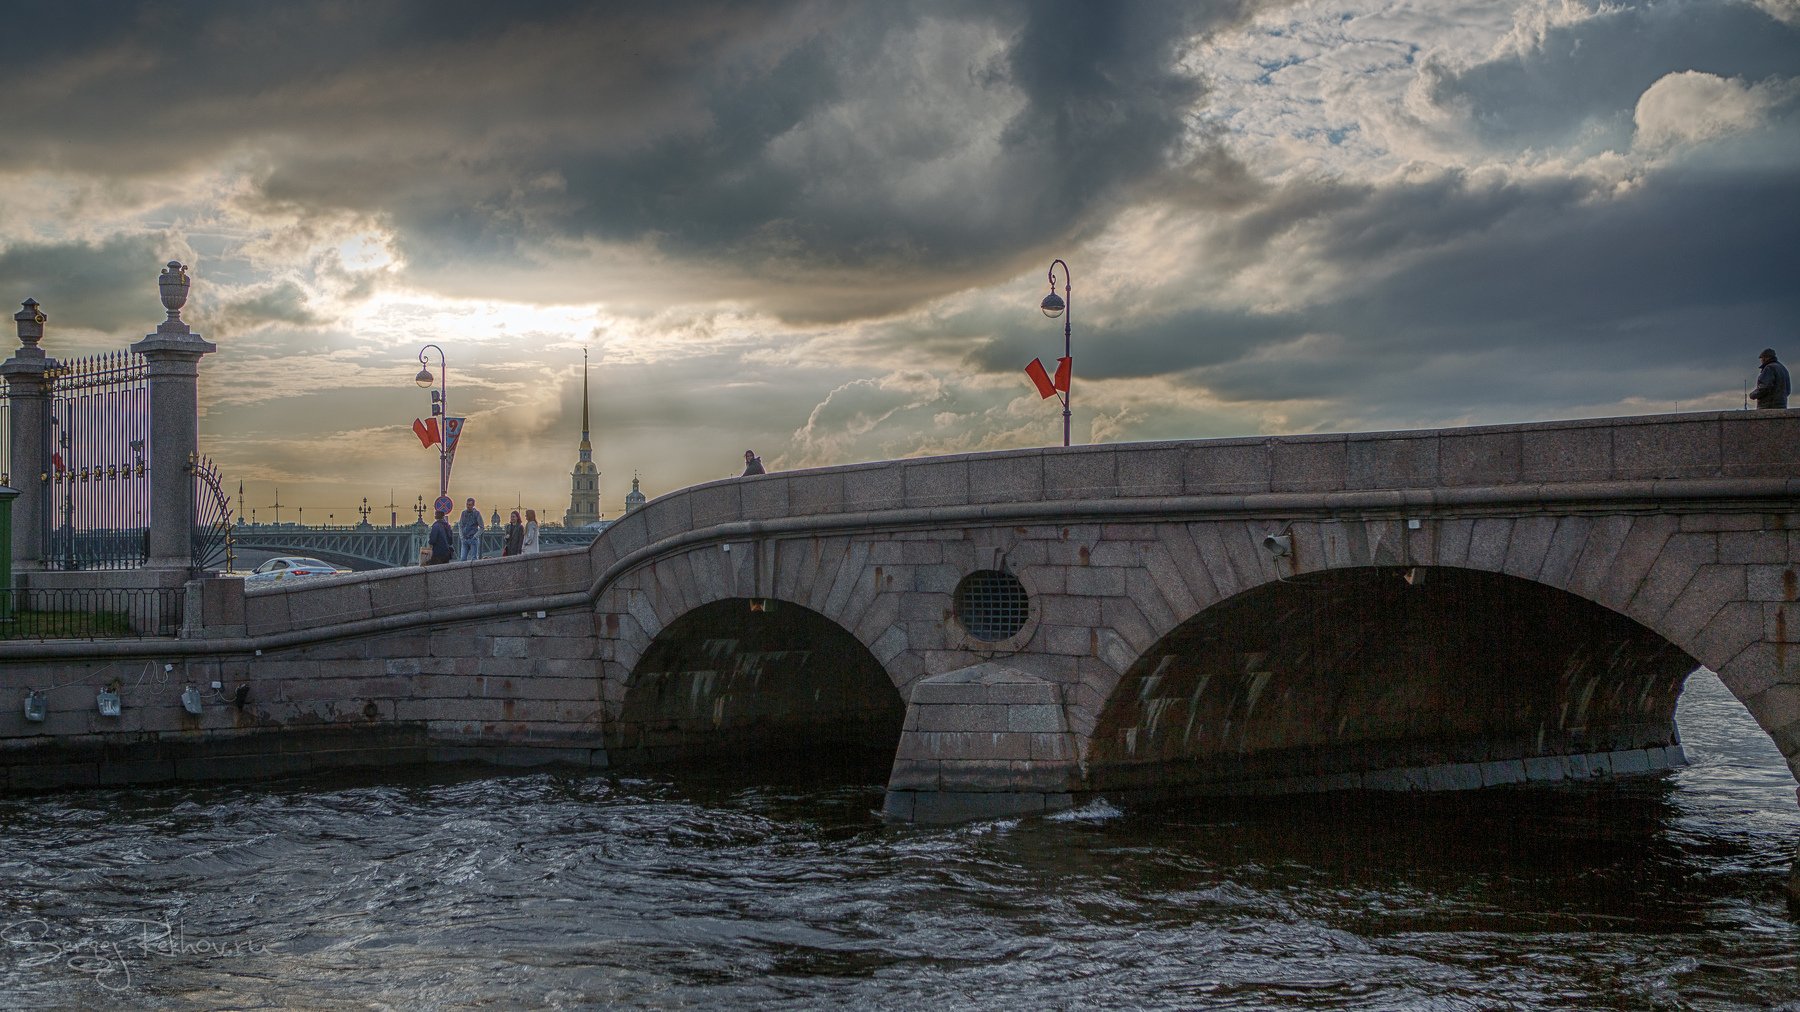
(1013, 631)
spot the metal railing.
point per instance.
(91, 613)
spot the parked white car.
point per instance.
(289, 567)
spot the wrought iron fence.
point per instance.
(97, 488)
(90, 613)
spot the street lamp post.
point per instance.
(440, 408)
(1053, 307)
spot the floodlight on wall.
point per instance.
(1279, 545)
(190, 700)
(35, 706)
(108, 703)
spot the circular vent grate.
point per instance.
(991, 605)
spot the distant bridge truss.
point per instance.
(369, 547)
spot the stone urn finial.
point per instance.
(31, 323)
(174, 286)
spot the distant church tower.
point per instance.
(635, 497)
(584, 481)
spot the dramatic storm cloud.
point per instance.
(821, 229)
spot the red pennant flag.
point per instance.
(56, 463)
(1064, 366)
(1040, 378)
(427, 431)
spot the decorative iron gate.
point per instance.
(212, 518)
(97, 488)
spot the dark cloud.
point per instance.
(1142, 345)
(105, 285)
(1580, 81)
(279, 302)
(775, 140)
(1544, 293)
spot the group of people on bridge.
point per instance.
(464, 541)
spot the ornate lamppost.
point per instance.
(440, 409)
(1053, 307)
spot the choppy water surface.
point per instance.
(467, 888)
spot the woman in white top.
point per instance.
(531, 533)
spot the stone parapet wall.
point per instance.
(506, 688)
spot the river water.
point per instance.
(471, 889)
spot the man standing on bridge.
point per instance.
(1772, 385)
(469, 526)
(439, 541)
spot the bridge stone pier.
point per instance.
(1014, 631)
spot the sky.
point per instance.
(822, 230)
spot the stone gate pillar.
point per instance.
(29, 402)
(173, 353)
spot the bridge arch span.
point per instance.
(737, 676)
(754, 644)
(834, 577)
(1669, 592)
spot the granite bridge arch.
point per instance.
(1512, 640)
(1647, 547)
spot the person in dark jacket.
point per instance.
(515, 536)
(1772, 386)
(752, 464)
(440, 541)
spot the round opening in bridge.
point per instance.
(992, 605)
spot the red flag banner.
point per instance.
(427, 431)
(1040, 379)
(1064, 367)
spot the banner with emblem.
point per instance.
(453, 428)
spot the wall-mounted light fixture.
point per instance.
(35, 706)
(1278, 545)
(108, 702)
(190, 700)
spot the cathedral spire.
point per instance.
(587, 448)
(584, 480)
